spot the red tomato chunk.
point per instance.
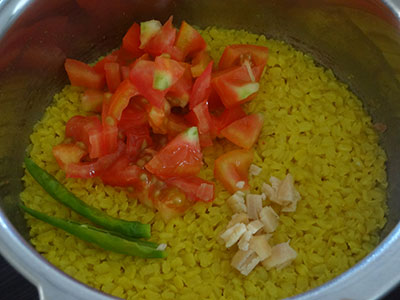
(154, 104)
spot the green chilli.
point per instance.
(61, 194)
(103, 238)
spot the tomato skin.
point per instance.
(142, 74)
(180, 157)
(113, 75)
(92, 100)
(163, 40)
(234, 55)
(245, 131)
(81, 74)
(201, 88)
(68, 153)
(120, 99)
(232, 167)
(95, 168)
(131, 40)
(189, 40)
(195, 188)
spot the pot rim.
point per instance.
(370, 278)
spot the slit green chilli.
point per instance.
(61, 194)
(103, 238)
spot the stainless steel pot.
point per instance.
(358, 39)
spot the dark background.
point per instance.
(14, 287)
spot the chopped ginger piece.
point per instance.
(236, 202)
(245, 261)
(254, 170)
(244, 241)
(287, 192)
(269, 218)
(254, 205)
(281, 256)
(282, 192)
(260, 245)
(254, 226)
(233, 234)
(290, 207)
(238, 218)
(240, 184)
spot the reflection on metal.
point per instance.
(358, 39)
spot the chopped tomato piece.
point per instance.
(120, 99)
(214, 101)
(113, 75)
(179, 93)
(171, 203)
(132, 117)
(99, 66)
(195, 188)
(176, 124)
(232, 168)
(142, 75)
(148, 30)
(131, 40)
(99, 139)
(176, 54)
(180, 157)
(92, 100)
(68, 153)
(189, 40)
(122, 173)
(158, 118)
(95, 168)
(163, 40)
(79, 127)
(125, 72)
(235, 55)
(81, 74)
(201, 88)
(125, 57)
(228, 116)
(167, 73)
(103, 140)
(206, 140)
(137, 139)
(109, 138)
(200, 63)
(204, 121)
(234, 86)
(106, 107)
(245, 131)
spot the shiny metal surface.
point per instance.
(358, 39)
